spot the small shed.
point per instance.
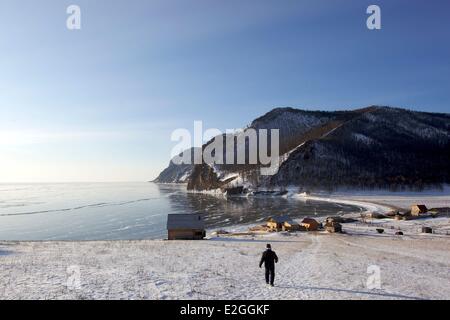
(290, 226)
(310, 224)
(332, 219)
(374, 215)
(418, 209)
(427, 230)
(276, 223)
(185, 226)
(333, 227)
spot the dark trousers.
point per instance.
(270, 274)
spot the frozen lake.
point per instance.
(107, 211)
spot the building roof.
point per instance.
(282, 219)
(291, 223)
(185, 221)
(421, 207)
(309, 220)
(279, 219)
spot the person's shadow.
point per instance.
(370, 293)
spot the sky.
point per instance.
(100, 103)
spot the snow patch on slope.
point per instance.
(363, 138)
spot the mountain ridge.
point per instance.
(371, 147)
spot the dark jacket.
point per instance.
(269, 258)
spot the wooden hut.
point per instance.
(418, 209)
(427, 230)
(277, 223)
(185, 227)
(310, 224)
(333, 227)
(332, 219)
(290, 226)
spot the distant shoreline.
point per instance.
(383, 205)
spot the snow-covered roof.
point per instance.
(309, 220)
(185, 221)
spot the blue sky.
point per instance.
(100, 103)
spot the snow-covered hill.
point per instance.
(177, 173)
(374, 147)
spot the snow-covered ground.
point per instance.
(435, 198)
(312, 265)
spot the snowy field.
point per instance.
(312, 266)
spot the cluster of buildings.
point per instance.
(192, 226)
(285, 223)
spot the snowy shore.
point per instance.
(312, 265)
(383, 200)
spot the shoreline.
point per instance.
(364, 207)
(368, 202)
(367, 205)
(378, 201)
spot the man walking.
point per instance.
(269, 258)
